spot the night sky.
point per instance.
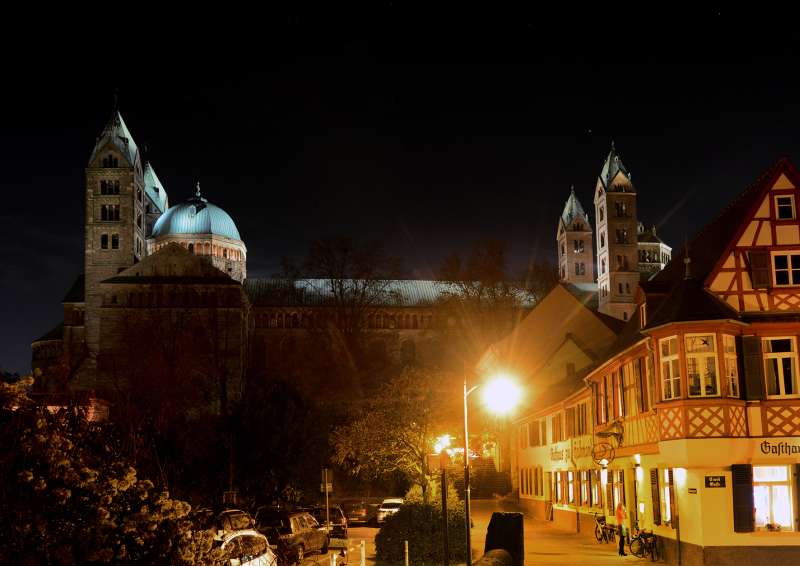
(421, 137)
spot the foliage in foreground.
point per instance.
(421, 525)
(69, 498)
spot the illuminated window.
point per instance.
(787, 269)
(667, 501)
(585, 476)
(579, 246)
(772, 498)
(784, 207)
(780, 358)
(595, 488)
(571, 486)
(701, 365)
(731, 369)
(670, 368)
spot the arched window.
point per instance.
(280, 320)
(103, 188)
(104, 241)
(207, 248)
(191, 248)
(114, 241)
(620, 287)
(225, 253)
(294, 320)
(602, 266)
(116, 187)
(414, 323)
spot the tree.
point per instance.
(482, 301)
(539, 278)
(70, 497)
(396, 430)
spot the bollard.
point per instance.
(363, 553)
(405, 545)
(506, 532)
(333, 559)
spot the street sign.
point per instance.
(329, 485)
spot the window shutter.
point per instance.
(760, 272)
(753, 367)
(673, 496)
(742, 483)
(610, 492)
(654, 491)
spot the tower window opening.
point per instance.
(115, 241)
(103, 187)
(116, 187)
(579, 246)
(620, 288)
(191, 248)
(104, 241)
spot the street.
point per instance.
(544, 544)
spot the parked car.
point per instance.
(246, 548)
(300, 531)
(338, 520)
(388, 508)
(234, 520)
(360, 511)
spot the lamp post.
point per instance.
(500, 395)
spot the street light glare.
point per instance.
(441, 443)
(501, 395)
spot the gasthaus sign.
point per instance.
(779, 448)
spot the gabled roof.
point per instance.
(573, 210)
(154, 189)
(76, 292)
(688, 301)
(56, 333)
(709, 245)
(116, 132)
(611, 167)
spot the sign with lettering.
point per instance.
(779, 448)
(692, 490)
(715, 481)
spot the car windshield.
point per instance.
(319, 515)
(391, 505)
(275, 519)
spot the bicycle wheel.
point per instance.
(598, 533)
(637, 547)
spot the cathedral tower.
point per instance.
(115, 220)
(617, 247)
(574, 237)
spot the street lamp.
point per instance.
(500, 395)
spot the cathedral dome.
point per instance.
(196, 216)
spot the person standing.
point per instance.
(622, 514)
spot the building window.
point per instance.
(579, 246)
(556, 431)
(731, 369)
(109, 213)
(104, 241)
(787, 269)
(669, 493)
(781, 367)
(595, 488)
(601, 213)
(784, 207)
(114, 241)
(701, 365)
(622, 209)
(670, 368)
(585, 476)
(622, 236)
(602, 240)
(772, 498)
(617, 478)
(620, 287)
(543, 434)
(533, 433)
(602, 266)
(571, 487)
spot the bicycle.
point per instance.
(645, 543)
(603, 532)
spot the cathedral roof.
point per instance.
(573, 210)
(316, 292)
(116, 132)
(196, 216)
(154, 189)
(611, 167)
(648, 236)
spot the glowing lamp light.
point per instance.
(638, 459)
(501, 395)
(604, 463)
(641, 508)
(442, 443)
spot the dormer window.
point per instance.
(784, 207)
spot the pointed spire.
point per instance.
(612, 166)
(573, 209)
(116, 132)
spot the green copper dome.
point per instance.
(196, 216)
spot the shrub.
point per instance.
(421, 525)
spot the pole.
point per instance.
(405, 551)
(466, 477)
(327, 506)
(363, 553)
(446, 561)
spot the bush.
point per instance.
(421, 525)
